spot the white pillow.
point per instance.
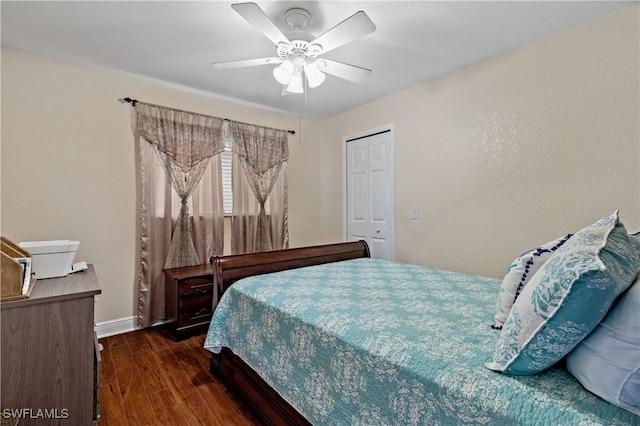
(518, 275)
(607, 361)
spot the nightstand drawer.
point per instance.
(189, 299)
(195, 287)
(195, 309)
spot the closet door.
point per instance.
(369, 192)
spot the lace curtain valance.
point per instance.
(186, 137)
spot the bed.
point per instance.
(326, 335)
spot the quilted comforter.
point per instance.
(373, 342)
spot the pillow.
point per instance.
(607, 361)
(518, 275)
(567, 298)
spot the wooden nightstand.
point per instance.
(189, 299)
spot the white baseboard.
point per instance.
(117, 326)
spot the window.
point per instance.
(227, 197)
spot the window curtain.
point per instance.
(181, 213)
(259, 220)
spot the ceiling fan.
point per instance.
(300, 57)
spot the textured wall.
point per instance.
(514, 151)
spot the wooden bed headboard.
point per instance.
(231, 268)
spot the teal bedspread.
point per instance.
(373, 342)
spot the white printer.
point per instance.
(51, 259)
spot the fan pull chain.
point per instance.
(306, 91)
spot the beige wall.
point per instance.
(500, 156)
(514, 151)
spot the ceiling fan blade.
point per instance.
(356, 26)
(246, 63)
(345, 71)
(256, 17)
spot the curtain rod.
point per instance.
(134, 101)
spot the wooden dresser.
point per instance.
(189, 299)
(50, 361)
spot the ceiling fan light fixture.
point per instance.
(283, 73)
(300, 56)
(295, 85)
(315, 77)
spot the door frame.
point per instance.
(386, 128)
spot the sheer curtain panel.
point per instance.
(181, 213)
(259, 186)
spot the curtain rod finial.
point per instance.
(131, 101)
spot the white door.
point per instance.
(369, 193)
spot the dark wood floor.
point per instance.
(149, 379)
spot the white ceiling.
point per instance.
(177, 42)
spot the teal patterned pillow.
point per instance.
(519, 274)
(567, 298)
